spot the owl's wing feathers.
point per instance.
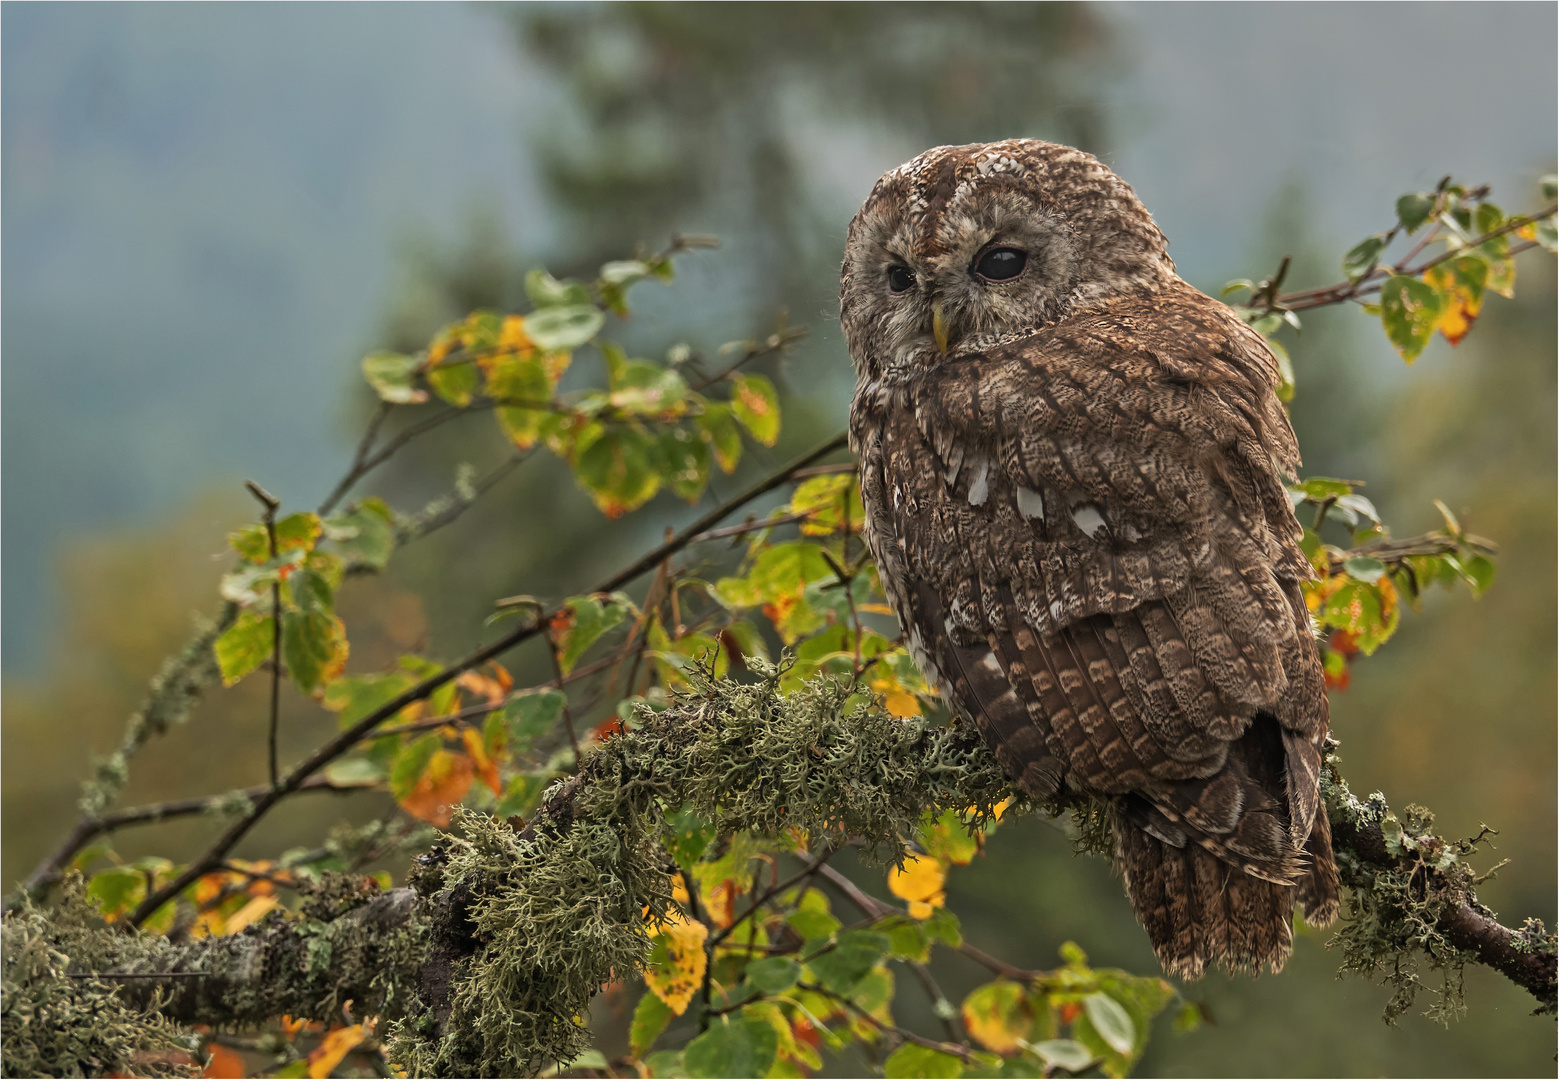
(1121, 601)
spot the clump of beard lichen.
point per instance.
(556, 911)
(52, 1024)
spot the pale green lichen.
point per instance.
(557, 913)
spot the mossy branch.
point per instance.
(487, 963)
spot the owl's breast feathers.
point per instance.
(1087, 537)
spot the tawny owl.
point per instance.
(1073, 466)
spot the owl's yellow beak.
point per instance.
(939, 327)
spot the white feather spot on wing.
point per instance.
(1031, 504)
(1089, 519)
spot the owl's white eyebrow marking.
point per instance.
(1088, 519)
(1031, 504)
(979, 490)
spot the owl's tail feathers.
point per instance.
(1319, 890)
(1199, 911)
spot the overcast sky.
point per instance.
(204, 204)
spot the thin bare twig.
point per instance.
(271, 504)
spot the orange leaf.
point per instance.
(481, 686)
(486, 768)
(251, 912)
(223, 1062)
(720, 902)
(439, 790)
(332, 1048)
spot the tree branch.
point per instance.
(350, 737)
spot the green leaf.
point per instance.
(690, 836)
(1549, 186)
(411, 762)
(348, 772)
(908, 939)
(521, 796)
(1479, 572)
(855, 953)
(665, 1063)
(116, 890)
(1188, 1017)
(313, 643)
(392, 376)
(1414, 209)
(812, 924)
(740, 1047)
(545, 290)
(589, 620)
(718, 424)
(1362, 256)
(1068, 1054)
(1112, 1022)
(624, 271)
(1365, 568)
(455, 383)
(531, 715)
(943, 926)
(914, 1060)
(686, 462)
(1321, 488)
(646, 389)
(524, 392)
(620, 467)
(650, 1018)
(355, 696)
(756, 405)
(565, 327)
(773, 974)
(1408, 310)
(245, 645)
(590, 1059)
(311, 592)
(365, 534)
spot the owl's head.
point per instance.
(969, 246)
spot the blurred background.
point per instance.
(213, 211)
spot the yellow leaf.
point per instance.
(512, 336)
(679, 890)
(897, 700)
(324, 1058)
(675, 976)
(921, 882)
(251, 912)
(998, 1015)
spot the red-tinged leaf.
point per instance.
(719, 428)
(756, 405)
(620, 467)
(314, 647)
(1460, 284)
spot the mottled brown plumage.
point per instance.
(1078, 512)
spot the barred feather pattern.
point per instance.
(1084, 530)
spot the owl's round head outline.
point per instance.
(920, 282)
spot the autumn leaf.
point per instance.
(250, 913)
(897, 700)
(677, 965)
(921, 882)
(998, 1015)
(324, 1058)
(443, 783)
(484, 766)
(756, 406)
(224, 1063)
(1460, 284)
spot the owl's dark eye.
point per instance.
(900, 278)
(1000, 264)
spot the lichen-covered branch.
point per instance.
(1412, 896)
(487, 963)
